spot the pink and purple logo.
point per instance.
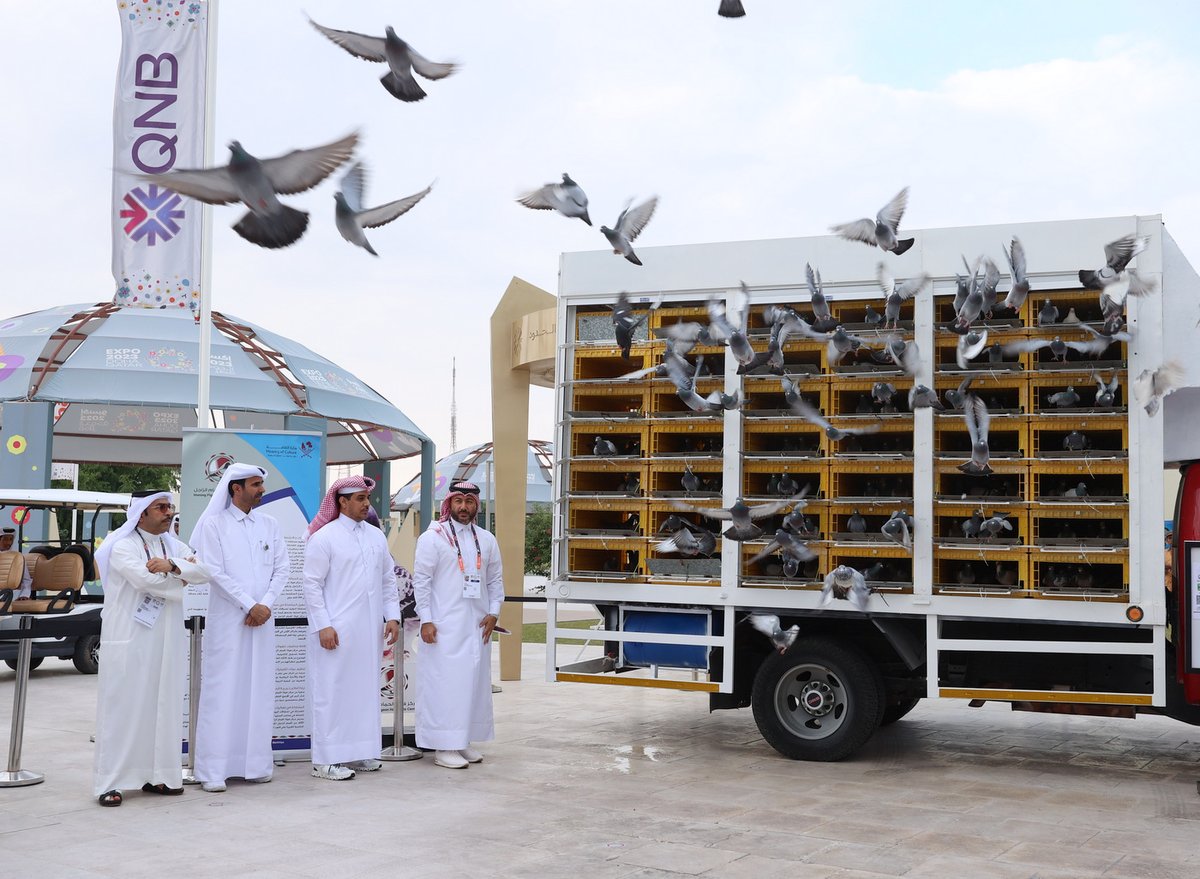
(152, 214)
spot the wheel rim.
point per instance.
(811, 701)
(94, 652)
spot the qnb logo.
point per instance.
(152, 214)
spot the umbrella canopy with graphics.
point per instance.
(125, 381)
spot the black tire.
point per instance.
(34, 662)
(87, 654)
(893, 711)
(819, 701)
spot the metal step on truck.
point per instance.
(1031, 572)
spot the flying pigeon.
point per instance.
(1115, 280)
(401, 58)
(882, 392)
(734, 9)
(689, 542)
(1150, 387)
(629, 225)
(883, 230)
(847, 583)
(802, 408)
(1106, 394)
(820, 305)
(899, 528)
(970, 346)
(980, 299)
(1020, 281)
(256, 183)
(975, 413)
(842, 343)
(351, 217)
(957, 398)
(624, 322)
(894, 295)
(567, 198)
(768, 623)
(787, 543)
(740, 515)
(993, 525)
(604, 448)
(1048, 315)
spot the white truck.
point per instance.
(1065, 608)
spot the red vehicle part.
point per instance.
(1187, 528)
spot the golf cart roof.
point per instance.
(62, 499)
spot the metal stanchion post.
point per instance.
(15, 776)
(194, 639)
(398, 751)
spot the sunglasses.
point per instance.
(166, 508)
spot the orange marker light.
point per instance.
(1134, 614)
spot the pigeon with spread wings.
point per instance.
(401, 58)
(568, 198)
(883, 231)
(351, 217)
(629, 226)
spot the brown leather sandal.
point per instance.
(162, 789)
(110, 798)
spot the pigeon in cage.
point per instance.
(1048, 314)
(972, 527)
(993, 526)
(1076, 441)
(856, 524)
(883, 231)
(633, 523)
(604, 448)
(1064, 399)
(865, 406)
(787, 486)
(689, 480)
(883, 392)
(847, 584)
(898, 529)
(965, 575)
(872, 318)
(1079, 490)
(631, 484)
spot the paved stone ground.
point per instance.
(588, 781)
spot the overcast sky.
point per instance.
(799, 115)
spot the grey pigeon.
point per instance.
(721, 327)
(768, 623)
(971, 527)
(1115, 280)
(604, 448)
(1048, 315)
(995, 353)
(740, 516)
(883, 392)
(1064, 399)
(847, 583)
(1020, 281)
(675, 522)
(1080, 490)
(689, 542)
(975, 413)
(629, 225)
(401, 58)
(992, 526)
(966, 574)
(922, 396)
(787, 543)
(1059, 348)
(633, 523)
(733, 9)
(1006, 576)
(980, 298)
(351, 217)
(1150, 387)
(689, 480)
(872, 317)
(970, 345)
(1076, 441)
(820, 305)
(957, 397)
(1072, 317)
(632, 484)
(773, 483)
(894, 295)
(256, 183)
(899, 529)
(856, 524)
(1106, 393)
(842, 343)
(568, 198)
(625, 323)
(962, 289)
(883, 231)
(812, 416)
(788, 485)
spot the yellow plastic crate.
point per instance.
(1105, 480)
(1084, 574)
(687, 437)
(666, 476)
(1108, 436)
(981, 571)
(588, 401)
(782, 438)
(887, 567)
(846, 392)
(763, 395)
(1085, 302)
(680, 311)
(948, 519)
(613, 559)
(756, 477)
(1007, 484)
(607, 476)
(1043, 386)
(608, 518)
(946, 347)
(1008, 437)
(1004, 392)
(870, 479)
(603, 364)
(768, 572)
(874, 512)
(1070, 526)
(630, 438)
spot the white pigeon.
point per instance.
(847, 583)
(1150, 387)
(568, 198)
(769, 625)
(351, 217)
(628, 226)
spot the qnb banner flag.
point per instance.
(158, 125)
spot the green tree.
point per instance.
(538, 526)
(120, 478)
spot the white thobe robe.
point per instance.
(454, 674)
(349, 584)
(248, 559)
(139, 699)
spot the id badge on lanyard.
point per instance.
(147, 610)
(472, 585)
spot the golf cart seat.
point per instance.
(56, 585)
(12, 568)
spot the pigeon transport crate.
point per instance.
(1009, 390)
(605, 363)
(801, 357)
(666, 568)
(1042, 387)
(948, 519)
(768, 572)
(686, 438)
(604, 517)
(893, 439)
(1007, 484)
(1002, 318)
(1008, 437)
(896, 574)
(583, 440)
(1044, 360)
(950, 563)
(665, 403)
(660, 510)
(775, 439)
(763, 395)
(1086, 525)
(867, 479)
(875, 513)
(852, 313)
(666, 478)
(1107, 435)
(602, 477)
(606, 559)
(678, 312)
(1085, 302)
(756, 475)
(1106, 480)
(594, 324)
(1095, 575)
(846, 392)
(945, 344)
(608, 402)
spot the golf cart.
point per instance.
(64, 578)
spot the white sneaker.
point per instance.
(213, 787)
(471, 755)
(365, 765)
(332, 772)
(262, 779)
(449, 759)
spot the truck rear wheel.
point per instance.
(819, 701)
(87, 654)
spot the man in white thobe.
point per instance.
(244, 550)
(8, 538)
(139, 700)
(458, 585)
(353, 609)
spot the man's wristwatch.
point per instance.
(174, 568)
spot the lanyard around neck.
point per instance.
(146, 546)
(478, 550)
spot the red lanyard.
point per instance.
(478, 551)
(146, 546)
